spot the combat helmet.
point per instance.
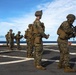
(29, 25)
(10, 30)
(19, 32)
(71, 16)
(38, 13)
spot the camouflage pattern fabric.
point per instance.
(63, 37)
(38, 51)
(38, 32)
(29, 39)
(10, 40)
(64, 52)
(7, 38)
(18, 37)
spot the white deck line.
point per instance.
(23, 59)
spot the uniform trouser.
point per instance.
(29, 48)
(18, 45)
(7, 42)
(38, 54)
(64, 53)
(10, 44)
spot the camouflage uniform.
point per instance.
(18, 37)
(65, 32)
(43, 27)
(38, 34)
(29, 39)
(13, 37)
(10, 39)
(7, 38)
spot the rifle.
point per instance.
(74, 31)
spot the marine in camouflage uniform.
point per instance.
(38, 35)
(11, 39)
(29, 39)
(17, 38)
(7, 38)
(13, 35)
(65, 32)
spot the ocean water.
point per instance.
(3, 40)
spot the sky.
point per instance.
(17, 14)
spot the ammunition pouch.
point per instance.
(37, 38)
(62, 34)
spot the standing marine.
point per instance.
(17, 38)
(38, 44)
(65, 32)
(29, 39)
(11, 39)
(7, 38)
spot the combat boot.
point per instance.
(60, 66)
(11, 48)
(68, 69)
(18, 49)
(29, 56)
(40, 67)
(35, 64)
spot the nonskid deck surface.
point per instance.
(15, 62)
